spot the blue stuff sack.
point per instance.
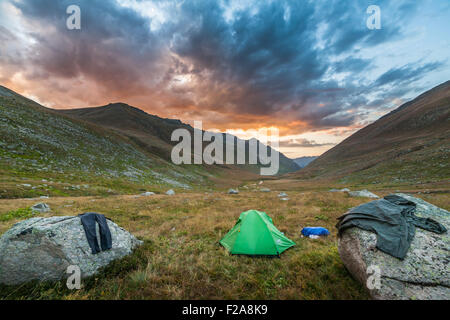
(316, 231)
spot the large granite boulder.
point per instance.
(423, 274)
(43, 248)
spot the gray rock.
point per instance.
(43, 248)
(233, 191)
(340, 190)
(363, 193)
(284, 199)
(423, 274)
(41, 207)
(147, 194)
(264, 190)
(170, 192)
(282, 194)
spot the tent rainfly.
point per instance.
(255, 234)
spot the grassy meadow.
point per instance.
(181, 257)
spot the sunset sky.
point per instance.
(311, 68)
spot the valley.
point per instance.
(72, 163)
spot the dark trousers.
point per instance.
(89, 220)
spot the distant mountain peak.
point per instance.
(304, 161)
(151, 132)
(119, 104)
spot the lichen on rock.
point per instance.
(43, 248)
(423, 274)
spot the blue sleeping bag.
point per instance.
(316, 231)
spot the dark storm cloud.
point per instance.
(352, 64)
(253, 54)
(102, 20)
(273, 58)
(406, 74)
(346, 23)
(268, 61)
(111, 48)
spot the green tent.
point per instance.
(255, 234)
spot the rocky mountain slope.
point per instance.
(110, 149)
(411, 143)
(153, 133)
(150, 132)
(58, 155)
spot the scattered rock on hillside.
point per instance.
(423, 274)
(41, 207)
(233, 191)
(170, 192)
(363, 193)
(264, 190)
(282, 194)
(284, 199)
(340, 190)
(43, 248)
(147, 194)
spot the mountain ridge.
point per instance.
(39, 143)
(152, 132)
(398, 145)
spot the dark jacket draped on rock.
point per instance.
(393, 219)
